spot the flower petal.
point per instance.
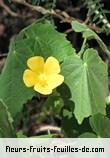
(55, 80)
(51, 66)
(36, 64)
(43, 90)
(29, 78)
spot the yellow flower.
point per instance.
(43, 76)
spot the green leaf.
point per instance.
(79, 27)
(88, 135)
(20, 135)
(89, 34)
(54, 102)
(12, 89)
(6, 127)
(100, 125)
(69, 124)
(67, 113)
(92, 35)
(88, 83)
(40, 38)
(45, 41)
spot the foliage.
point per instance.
(6, 127)
(88, 34)
(97, 13)
(34, 40)
(81, 101)
(100, 125)
(82, 77)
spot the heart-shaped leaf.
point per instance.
(88, 83)
(40, 38)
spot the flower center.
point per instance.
(42, 77)
(43, 80)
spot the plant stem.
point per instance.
(82, 47)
